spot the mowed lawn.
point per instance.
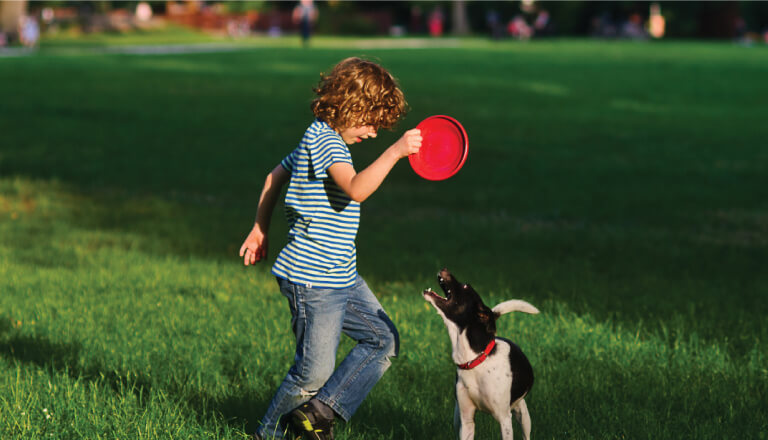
(621, 188)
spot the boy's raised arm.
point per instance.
(359, 186)
(255, 246)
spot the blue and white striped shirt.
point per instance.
(322, 218)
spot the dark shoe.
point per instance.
(308, 422)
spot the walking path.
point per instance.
(9, 52)
(255, 43)
(165, 49)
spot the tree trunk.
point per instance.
(9, 15)
(460, 24)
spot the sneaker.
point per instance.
(308, 423)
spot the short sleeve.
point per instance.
(327, 151)
(289, 162)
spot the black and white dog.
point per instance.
(493, 373)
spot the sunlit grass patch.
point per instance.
(129, 181)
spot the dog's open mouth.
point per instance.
(444, 278)
(435, 295)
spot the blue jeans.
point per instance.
(318, 317)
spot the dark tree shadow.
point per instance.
(241, 411)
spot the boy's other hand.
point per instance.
(254, 247)
(410, 143)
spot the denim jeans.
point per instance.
(318, 317)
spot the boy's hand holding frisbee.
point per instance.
(444, 148)
(409, 143)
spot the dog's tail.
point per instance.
(515, 305)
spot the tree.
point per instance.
(10, 12)
(460, 23)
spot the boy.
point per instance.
(316, 270)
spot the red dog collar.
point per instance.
(479, 360)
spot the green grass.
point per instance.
(621, 188)
(170, 34)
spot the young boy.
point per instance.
(316, 270)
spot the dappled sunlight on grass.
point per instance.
(129, 183)
(181, 64)
(77, 223)
(639, 106)
(545, 88)
(192, 334)
(128, 319)
(167, 35)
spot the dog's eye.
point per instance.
(465, 287)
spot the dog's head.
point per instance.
(463, 310)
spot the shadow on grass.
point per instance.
(593, 218)
(240, 410)
(618, 275)
(65, 358)
(575, 396)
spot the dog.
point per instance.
(493, 374)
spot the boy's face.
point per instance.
(353, 135)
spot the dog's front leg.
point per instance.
(506, 427)
(464, 414)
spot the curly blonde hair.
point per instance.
(358, 92)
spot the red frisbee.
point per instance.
(444, 148)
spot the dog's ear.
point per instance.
(487, 319)
(515, 305)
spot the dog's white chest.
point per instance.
(488, 385)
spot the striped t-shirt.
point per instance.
(322, 218)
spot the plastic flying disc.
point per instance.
(444, 148)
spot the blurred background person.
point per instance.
(542, 26)
(519, 28)
(656, 21)
(29, 31)
(495, 27)
(305, 15)
(633, 28)
(435, 22)
(143, 12)
(416, 20)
